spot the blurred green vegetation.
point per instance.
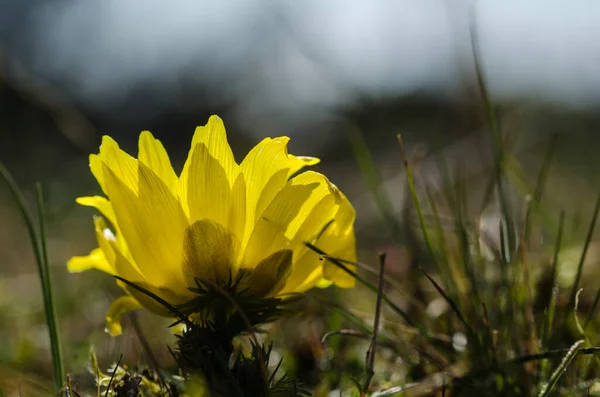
(488, 333)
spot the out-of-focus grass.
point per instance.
(471, 305)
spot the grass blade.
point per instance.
(551, 305)
(560, 370)
(539, 188)
(367, 167)
(455, 309)
(497, 144)
(588, 240)
(49, 306)
(41, 258)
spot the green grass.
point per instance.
(504, 325)
(40, 251)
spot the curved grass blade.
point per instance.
(49, 306)
(455, 309)
(176, 312)
(38, 246)
(588, 240)
(338, 263)
(367, 168)
(560, 370)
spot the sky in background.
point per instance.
(290, 59)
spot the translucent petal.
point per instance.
(339, 241)
(117, 309)
(120, 162)
(269, 276)
(268, 234)
(105, 239)
(237, 210)
(126, 270)
(209, 250)
(208, 189)
(267, 167)
(306, 274)
(324, 196)
(153, 154)
(152, 223)
(213, 137)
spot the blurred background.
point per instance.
(316, 71)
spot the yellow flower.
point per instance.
(215, 220)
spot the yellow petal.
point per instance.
(338, 240)
(126, 270)
(114, 158)
(152, 223)
(270, 275)
(208, 189)
(307, 273)
(105, 238)
(153, 154)
(266, 169)
(209, 250)
(237, 210)
(214, 138)
(323, 199)
(117, 309)
(95, 260)
(268, 234)
(101, 204)
(166, 294)
(125, 267)
(308, 268)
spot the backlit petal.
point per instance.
(268, 234)
(267, 167)
(121, 163)
(269, 276)
(339, 241)
(153, 224)
(307, 272)
(237, 210)
(209, 250)
(153, 154)
(213, 137)
(305, 224)
(117, 309)
(105, 239)
(208, 189)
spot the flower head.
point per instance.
(216, 220)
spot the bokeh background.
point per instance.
(316, 71)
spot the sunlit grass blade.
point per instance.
(497, 143)
(539, 188)
(455, 309)
(444, 263)
(340, 263)
(370, 360)
(363, 281)
(49, 306)
(38, 246)
(592, 309)
(560, 370)
(551, 305)
(416, 201)
(374, 183)
(588, 240)
(172, 309)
